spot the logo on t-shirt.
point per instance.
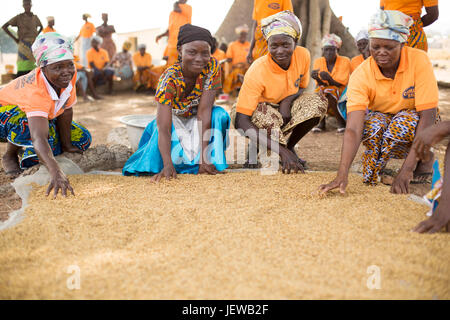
(274, 6)
(297, 83)
(409, 93)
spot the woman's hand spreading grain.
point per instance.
(439, 220)
(401, 182)
(340, 182)
(58, 182)
(290, 162)
(428, 138)
(169, 172)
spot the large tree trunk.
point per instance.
(317, 20)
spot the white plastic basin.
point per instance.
(136, 125)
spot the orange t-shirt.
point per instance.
(355, 62)
(99, 58)
(238, 52)
(176, 21)
(87, 30)
(142, 61)
(341, 70)
(265, 8)
(414, 85)
(265, 81)
(219, 55)
(34, 95)
(48, 29)
(76, 62)
(409, 7)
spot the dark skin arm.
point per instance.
(422, 144)
(315, 76)
(176, 7)
(328, 78)
(352, 139)
(432, 14)
(259, 137)
(252, 42)
(403, 178)
(286, 104)
(164, 123)
(162, 35)
(9, 33)
(39, 136)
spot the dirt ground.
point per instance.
(322, 151)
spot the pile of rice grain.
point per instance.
(232, 236)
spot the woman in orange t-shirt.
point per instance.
(36, 113)
(362, 43)
(331, 73)
(272, 108)
(392, 97)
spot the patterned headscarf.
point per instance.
(126, 45)
(362, 34)
(331, 40)
(284, 22)
(50, 48)
(391, 25)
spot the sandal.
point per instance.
(316, 130)
(422, 178)
(340, 130)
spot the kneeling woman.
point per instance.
(392, 96)
(36, 112)
(189, 134)
(271, 97)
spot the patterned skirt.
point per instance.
(267, 116)
(260, 48)
(385, 137)
(417, 37)
(14, 129)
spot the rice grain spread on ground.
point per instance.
(233, 236)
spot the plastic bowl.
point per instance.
(136, 125)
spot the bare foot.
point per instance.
(423, 172)
(10, 164)
(71, 149)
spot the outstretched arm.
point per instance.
(352, 140)
(39, 136)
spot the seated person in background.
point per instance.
(392, 97)
(189, 134)
(237, 56)
(362, 42)
(98, 60)
(50, 25)
(331, 73)
(439, 197)
(122, 63)
(84, 80)
(36, 113)
(272, 96)
(145, 78)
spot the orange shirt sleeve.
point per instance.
(254, 10)
(316, 64)
(250, 93)
(306, 61)
(430, 3)
(148, 59)
(358, 91)
(230, 51)
(343, 71)
(90, 56)
(186, 10)
(426, 89)
(287, 5)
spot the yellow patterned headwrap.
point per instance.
(126, 45)
(284, 22)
